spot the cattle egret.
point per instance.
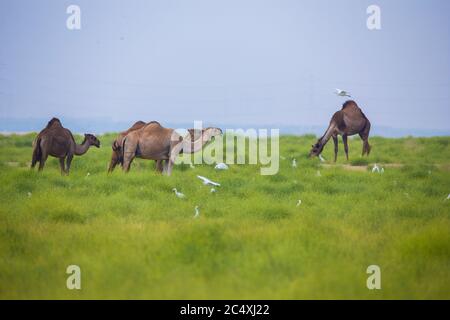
(197, 212)
(294, 163)
(206, 181)
(299, 202)
(221, 166)
(321, 158)
(342, 93)
(88, 174)
(376, 168)
(178, 194)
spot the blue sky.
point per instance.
(247, 62)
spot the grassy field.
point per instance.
(133, 238)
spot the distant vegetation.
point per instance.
(133, 238)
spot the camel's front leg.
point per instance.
(61, 164)
(336, 143)
(174, 152)
(344, 138)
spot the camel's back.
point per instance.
(354, 118)
(351, 109)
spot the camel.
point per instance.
(58, 142)
(348, 121)
(155, 142)
(116, 156)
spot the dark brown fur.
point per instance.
(348, 121)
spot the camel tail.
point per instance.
(37, 152)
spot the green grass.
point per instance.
(133, 238)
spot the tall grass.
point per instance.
(133, 238)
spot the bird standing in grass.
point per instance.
(197, 212)
(299, 202)
(206, 181)
(178, 194)
(294, 163)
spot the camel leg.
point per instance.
(44, 157)
(174, 152)
(61, 164)
(159, 165)
(68, 162)
(113, 163)
(344, 138)
(366, 145)
(336, 142)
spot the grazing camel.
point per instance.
(58, 142)
(158, 143)
(117, 153)
(348, 121)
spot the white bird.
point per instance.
(321, 158)
(206, 181)
(29, 194)
(88, 174)
(213, 190)
(197, 212)
(376, 168)
(299, 202)
(221, 166)
(342, 93)
(178, 194)
(448, 197)
(294, 163)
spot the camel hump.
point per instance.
(52, 122)
(349, 103)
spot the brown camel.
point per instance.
(348, 121)
(58, 142)
(158, 143)
(116, 157)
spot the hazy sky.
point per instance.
(245, 62)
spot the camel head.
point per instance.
(316, 149)
(91, 140)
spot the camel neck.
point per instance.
(193, 146)
(81, 149)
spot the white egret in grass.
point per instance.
(294, 163)
(178, 194)
(342, 93)
(321, 158)
(299, 202)
(88, 174)
(206, 181)
(221, 166)
(376, 168)
(197, 212)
